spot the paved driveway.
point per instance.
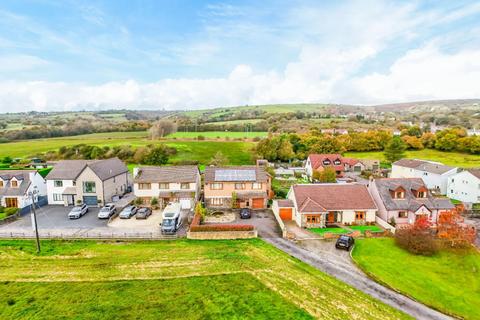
(56, 217)
(264, 221)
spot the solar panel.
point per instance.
(235, 175)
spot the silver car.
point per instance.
(128, 212)
(78, 211)
(107, 211)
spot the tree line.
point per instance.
(285, 147)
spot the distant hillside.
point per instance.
(436, 105)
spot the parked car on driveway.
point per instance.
(128, 212)
(107, 211)
(344, 242)
(143, 213)
(245, 213)
(78, 211)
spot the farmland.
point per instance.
(448, 281)
(449, 158)
(237, 152)
(217, 135)
(182, 279)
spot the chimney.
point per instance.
(136, 171)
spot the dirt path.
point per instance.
(340, 266)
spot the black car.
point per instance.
(245, 213)
(344, 242)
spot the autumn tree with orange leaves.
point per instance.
(454, 231)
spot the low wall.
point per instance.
(221, 235)
(276, 213)
(10, 218)
(384, 224)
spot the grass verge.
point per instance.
(448, 281)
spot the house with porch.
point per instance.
(319, 205)
(93, 182)
(16, 185)
(401, 200)
(167, 184)
(318, 162)
(237, 187)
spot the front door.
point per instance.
(11, 202)
(331, 217)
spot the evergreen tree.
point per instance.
(395, 150)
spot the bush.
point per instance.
(416, 242)
(10, 211)
(2, 209)
(200, 137)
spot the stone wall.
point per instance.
(221, 235)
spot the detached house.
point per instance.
(318, 162)
(15, 186)
(93, 182)
(167, 184)
(317, 205)
(402, 200)
(465, 186)
(434, 174)
(242, 187)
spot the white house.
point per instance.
(15, 186)
(318, 205)
(465, 186)
(93, 182)
(167, 184)
(434, 174)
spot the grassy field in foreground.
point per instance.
(448, 281)
(217, 134)
(238, 152)
(449, 158)
(171, 279)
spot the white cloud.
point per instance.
(12, 63)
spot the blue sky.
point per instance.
(63, 55)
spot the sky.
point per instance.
(93, 55)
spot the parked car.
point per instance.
(107, 211)
(344, 242)
(78, 211)
(128, 212)
(245, 213)
(143, 213)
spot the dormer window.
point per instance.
(1, 183)
(326, 162)
(14, 184)
(337, 162)
(421, 194)
(399, 195)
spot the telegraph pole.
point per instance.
(34, 218)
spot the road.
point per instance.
(319, 254)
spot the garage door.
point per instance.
(257, 203)
(90, 200)
(286, 213)
(185, 203)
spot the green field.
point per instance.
(238, 153)
(236, 122)
(449, 158)
(217, 134)
(447, 281)
(180, 279)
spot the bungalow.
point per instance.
(434, 174)
(318, 205)
(241, 187)
(465, 186)
(318, 162)
(402, 200)
(167, 184)
(15, 186)
(93, 182)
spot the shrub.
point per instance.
(154, 203)
(200, 137)
(2, 209)
(138, 201)
(10, 211)
(418, 239)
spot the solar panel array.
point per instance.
(235, 175)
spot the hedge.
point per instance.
(197, 227)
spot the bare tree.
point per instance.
(162, 128)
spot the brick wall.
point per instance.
(221, 235)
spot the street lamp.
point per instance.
(32, 195)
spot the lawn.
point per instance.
(365, 228)
(456, 159)
(217, 135)
(448, 281)
(238, 152)
(245, 121)
(181, 279)
(321, 231)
